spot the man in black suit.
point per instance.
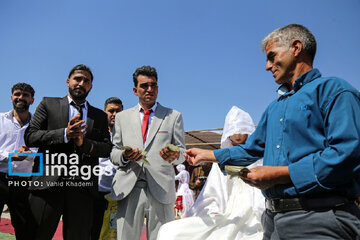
(71, 135)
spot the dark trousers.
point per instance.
(98, 215)
(74, 204)
(337, 223)
(17, 198)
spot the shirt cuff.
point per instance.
(304, 180)
(65, 138)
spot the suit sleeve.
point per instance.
(178, 138)
(101, 147)
(116, 152)
(36, 134)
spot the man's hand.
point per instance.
(132, 155)
(22, 149)
(263, 177)
(195, 156)
(75, 130)
(169, 155)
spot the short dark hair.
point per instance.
(24, 87)
(113, 100)
(81, 67)
(146, 71)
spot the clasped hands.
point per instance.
(76, 130)
(136, 155)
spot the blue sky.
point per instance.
(206, 52)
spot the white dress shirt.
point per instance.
(11, 138)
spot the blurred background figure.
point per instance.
(184, 195)
(198, 177)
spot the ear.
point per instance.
(135, 91)
(32, 101)
(297, 47)
(67, 82)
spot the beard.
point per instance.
(20, 108)
(78, 96)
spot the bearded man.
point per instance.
(71, 128)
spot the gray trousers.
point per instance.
(338, 223)
(132, 210)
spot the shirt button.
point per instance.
(281, 119)
(277, 146)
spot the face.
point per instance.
(79, 84)
(111, 110)
(280, 61)
(146, 90)
(21, 100)
(237, 139)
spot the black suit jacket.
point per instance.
(46, 131)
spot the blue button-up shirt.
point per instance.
(315, 131)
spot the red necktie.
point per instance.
(145, 123)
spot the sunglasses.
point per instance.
(147, 85)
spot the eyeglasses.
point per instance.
(147, 85)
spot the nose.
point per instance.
(268, 65)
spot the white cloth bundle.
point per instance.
(226, 208)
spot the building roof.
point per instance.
(205, 139)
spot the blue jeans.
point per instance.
(337, 223)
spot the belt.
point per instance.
(305, 203)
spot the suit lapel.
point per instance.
(64, 112)
(136, 125)
(160, 113)
(89, 120)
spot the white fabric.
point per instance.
(183, 189)
(237, 121)
(226, 208)
(11, 138)
(229, 215)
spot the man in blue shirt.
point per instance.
(310, 141)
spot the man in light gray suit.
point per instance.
(145, 189)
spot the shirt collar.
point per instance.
(85, 103)
(10, 114)
(153, 107)
(306, 78)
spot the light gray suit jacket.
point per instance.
(166, 127)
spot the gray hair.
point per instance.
(287, 34)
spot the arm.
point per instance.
(36, 134)
(339, 162)
(117, 152)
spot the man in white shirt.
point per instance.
(13, 189)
